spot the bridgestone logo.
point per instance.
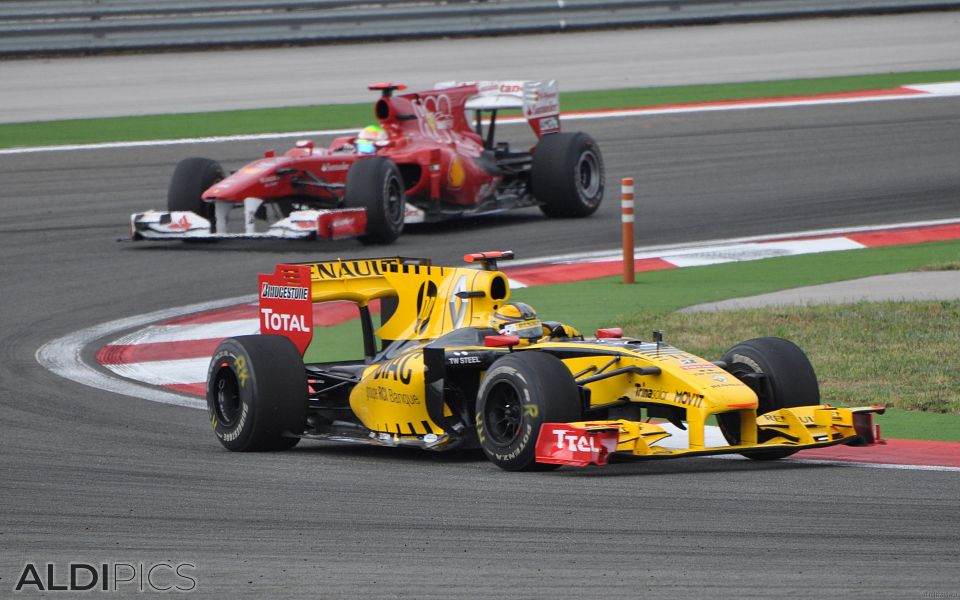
(284, 292)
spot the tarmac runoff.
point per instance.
(899, 287)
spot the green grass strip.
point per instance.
(192, 125)
(912, 425)
(336, 343)
(898, 354)
(902, 355)
(661, 292)
(309, 118)
(656, 96)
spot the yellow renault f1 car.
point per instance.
(445, 360)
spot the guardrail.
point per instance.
(43, 27)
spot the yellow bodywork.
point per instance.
(430, 301)
(390, 397)
(685, 381)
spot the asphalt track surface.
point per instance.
(89, 476)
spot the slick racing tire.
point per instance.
(376, 185)
(788, 380)
(521, 392)
(191, 178)
(567, 175)
(257, 393)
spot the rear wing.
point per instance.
(539, 100)
(428, 301)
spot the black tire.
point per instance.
(191, 178)
(567, 175)
(257, 393)
(788, 380)
(521, 392)
(376, 184)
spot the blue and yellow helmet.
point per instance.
(519, 319)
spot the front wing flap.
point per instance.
(806, 425)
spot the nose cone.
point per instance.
(725, 392)
(250, 181)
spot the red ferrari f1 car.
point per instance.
(424, 162)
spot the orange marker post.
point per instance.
(626, 219)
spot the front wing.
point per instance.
(301, 224)
(598, 442)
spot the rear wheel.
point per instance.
(780, 373)
(257, 393)
(376, 185)
(191, 178)
(567, 175)
(521, 392)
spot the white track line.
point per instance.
(939, 90)
(190, 331)
(843, 463)
(177, 142)
(715, 255)
(692, 247)
(64, 355)
(165, 372)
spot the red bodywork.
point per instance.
(286, 307)
(428, 136)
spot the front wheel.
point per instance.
(191, 178)
(521, 392)
(376, 185)
(567, 175)
(780, 373)
(257, 393)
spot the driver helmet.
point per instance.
(519, 319)
(369, 138)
